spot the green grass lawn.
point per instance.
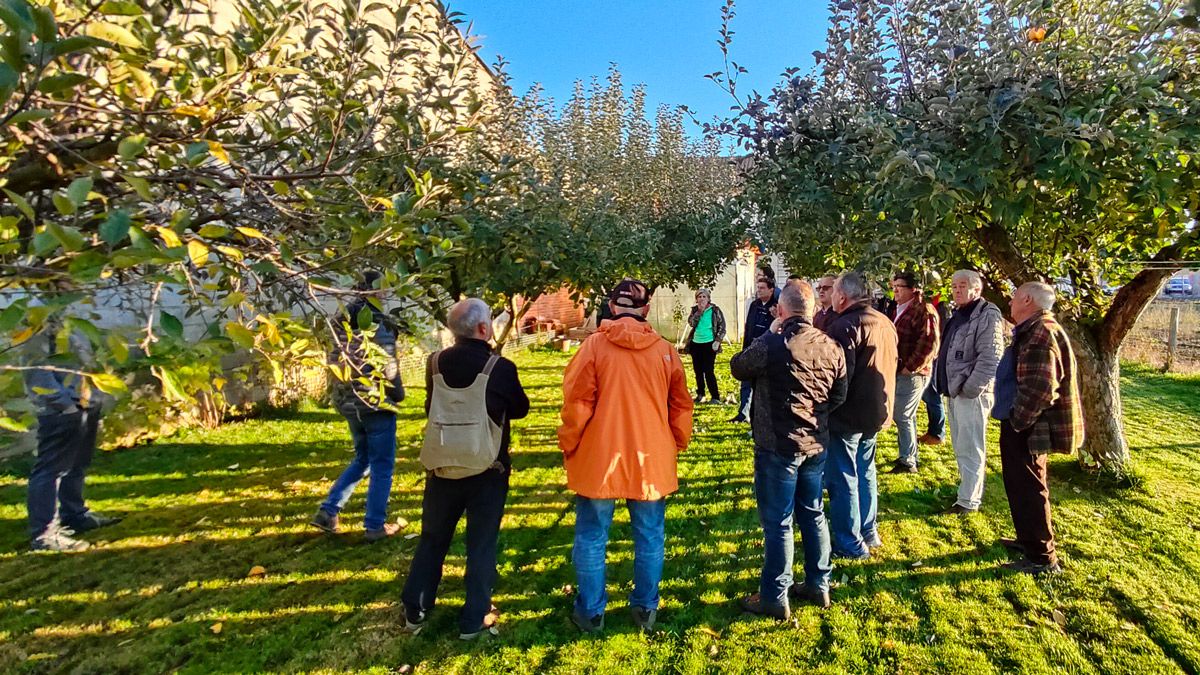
(168, 589)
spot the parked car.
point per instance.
(1178, 286)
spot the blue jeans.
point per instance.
(66, 443)
(904, 412)
(374, 437)
(593, 518)
(935, 408)
(788, 488)
(744, 397)
(853, 493)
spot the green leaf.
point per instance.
(108, 383)
(30, 116)
(70, 238)
(60, 83)
(140, 185)
(195, 153)
(14, 425)
(78, 190)
(21, 204)
(115, 228)
(11, 316)
(171, 385)
(365, 318)
(116, 8)
(16, 15)
(118, 348)
(213, 231)
(75, 43)
(240, 334)
(64, 204)
(171, 325)
(132, 146)
(43, 24)
(8, 82)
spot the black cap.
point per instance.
(630, 294)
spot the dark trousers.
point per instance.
(482, 498)
(66, 443)
(1028, 495)
(704, 362)
(936, 409)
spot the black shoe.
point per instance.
(1012, 545)
(754, 604)
(714, 401)
(803, 593)
(901, 467)
(738, 419)
(958, 510)
(325, 522)
(1027, 566)
(90, 521)
(840, 555)
(644, 618)
(699, 398)
(593, 624)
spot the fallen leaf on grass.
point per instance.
(917, 564)
(889, 644)
(257, 571)
(712, 651)
(710, 632)
(216, 628)
(1059, 617)
(404, 669)
(411, 535)
(233, 467)
(402, 522)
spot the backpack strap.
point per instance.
(433, 363)
(491, 363)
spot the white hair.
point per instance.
(466, 315)
(1043, 295)
(853, 286)
(970, 276)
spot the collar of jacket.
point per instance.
(792, 325)
(861, 305)
(473, 343)
(1027, 324)
(635, 317)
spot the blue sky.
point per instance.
(668, 45)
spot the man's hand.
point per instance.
(777, 324)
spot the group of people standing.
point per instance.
(822, 373)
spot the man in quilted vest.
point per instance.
(626, 414)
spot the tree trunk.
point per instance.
(1104, 446)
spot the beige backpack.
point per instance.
(461, 440)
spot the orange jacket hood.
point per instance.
(630, 334)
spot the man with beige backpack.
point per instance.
(471, 396)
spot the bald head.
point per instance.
(1030, 300)
(470, 318)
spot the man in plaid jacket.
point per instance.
(1037, 403)
(918, 333)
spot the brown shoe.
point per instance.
(1012, 545)
(384, 532)
(754, 604)
(803, 593)
(928, 439)
(958, 510)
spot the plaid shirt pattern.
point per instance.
(919, 335)
(1047, 401)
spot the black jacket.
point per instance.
(352, 397)
(718, 323)
(758, 320)
(506, 399)
(799, 376)
(869, 341)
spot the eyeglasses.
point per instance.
(824, 288)
(896, 287)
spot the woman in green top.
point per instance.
(707, 331)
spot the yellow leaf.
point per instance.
(169, 237)
(251, 232)
(231, 253)
(217, 150)
(22, 335)
(198, 252)
(216, 628)
(200, 111)
(257, 571)
(111, 32)
(384, 202)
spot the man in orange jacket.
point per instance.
(626, 414)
